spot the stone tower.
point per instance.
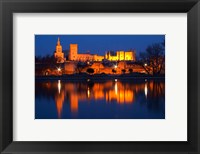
(73, 51)
(59, 55)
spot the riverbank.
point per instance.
(99, 77)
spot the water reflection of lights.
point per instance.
(69, 97)
(145, 90)
(59, 86)
(116, 88)
(108, 92)
(88, 92)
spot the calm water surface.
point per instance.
(137, 99)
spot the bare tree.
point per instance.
(123, 71)
(114, 71)
(153, 59)
(130, 70)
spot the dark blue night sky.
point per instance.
(95, 44)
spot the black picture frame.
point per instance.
(8, 7)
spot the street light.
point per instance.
(59, 69)
(115, 66)
(145, 64)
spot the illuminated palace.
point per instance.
(75, 56)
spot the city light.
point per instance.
(59, 69)
(116, 88)
(79, 84)
(59, 86)
(145, 90)
(88, 92)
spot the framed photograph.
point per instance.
(99, 76)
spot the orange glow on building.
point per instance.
(59, 55)
(98, 58)
(73, 51)
(98, 67)
(121, 55)
(75, 56)
(85, 57)
(71, 65)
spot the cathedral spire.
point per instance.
(58, 42)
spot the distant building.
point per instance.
(85, 57)
(70, 67)
(59, 55)
(98, 58)
(98, 67)
(121, 55)
(111, 63)
(75, 56)
(73, 51)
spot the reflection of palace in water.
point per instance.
(110, 92)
